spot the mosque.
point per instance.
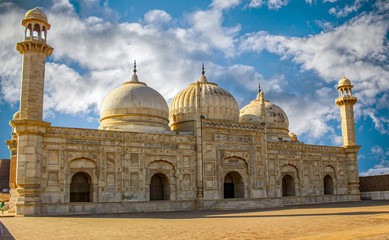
(201, 152)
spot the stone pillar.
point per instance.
(29, 127)
(352, 172)
(12, 145)
(346, 102)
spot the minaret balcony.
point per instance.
(346, 99)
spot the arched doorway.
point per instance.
(288, 186)
(328, 185)
(80, 188)
(159, 187)
(233, 185)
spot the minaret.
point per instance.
(346, 102)
(29, 127)
(35, 51)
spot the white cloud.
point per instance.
(256, 3)
(208, 26)
(378, 154)
(344, 12)
(10, 59)
(224, 4)
(331, 1)
(271, 4)
(92, 56)
(381, 123)
(158, 16)
(169, 59)
(357, 49)
(325, 25)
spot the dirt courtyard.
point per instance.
(356, 220)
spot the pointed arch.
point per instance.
(288, 186)
(159, 187)
(80, 188)
(233, 185)
(328, 185)
(36, 32)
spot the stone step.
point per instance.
(242, 204)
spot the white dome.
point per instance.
(275, 116)
(135, 107)
(344, 82)
(252, 112)
(36, 13)
(277, 123)
(215, 102)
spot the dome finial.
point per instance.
(259, 92)
(203, 78)
(134, 76)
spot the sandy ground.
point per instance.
(357, 220)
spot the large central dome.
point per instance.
(204, 98)
(134, 107)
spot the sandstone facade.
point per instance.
(212, 156)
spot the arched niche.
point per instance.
(328, 185)
(159, 187)
(87, 167)
(289, 180)
(162, 175)
(288, 186)
(233, 185)
(234, 178)
(329, 180)
(80, 188)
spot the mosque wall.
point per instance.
(308, 165)
(236, 149)
(119, 165)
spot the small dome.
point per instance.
(344, 82)
(134, 107)
(293, 137)
(277, 123)
(275, 116)
(252, 112)
(36, 13)
(215, 102)
(16, 115)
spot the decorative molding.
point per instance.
(292, 147)
(34, 46)
(234, 125)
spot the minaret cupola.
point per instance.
(36, 25)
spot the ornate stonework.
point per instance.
(206, 160)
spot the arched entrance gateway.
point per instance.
(328, 185)
(288, 186)
(80, 188)
(159, 187)
(233, 185)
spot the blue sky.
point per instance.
(298, 50)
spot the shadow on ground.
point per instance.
(4, 233)
(238, 213)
